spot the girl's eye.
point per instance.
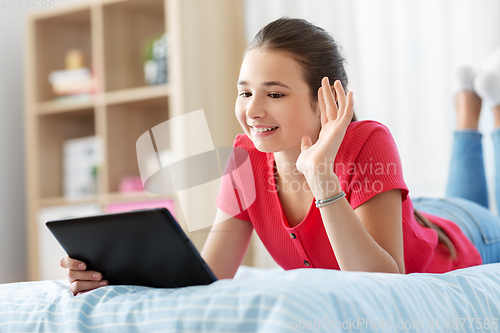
(276, 95)
(272, 95)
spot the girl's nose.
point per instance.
(255, 109)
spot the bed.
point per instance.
(266, 300)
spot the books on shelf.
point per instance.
(73, 99)
(81, 160)
(72, 82)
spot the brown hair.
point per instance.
(311, 46)
(442, 237)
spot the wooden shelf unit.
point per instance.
(111, 34)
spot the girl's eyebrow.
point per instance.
(265, 84)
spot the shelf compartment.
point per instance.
(59, 201)
(53, 130)
(135, 196)
(68, 106)
(126, 122)
(137, 94)
(54, 37)
(128, 26)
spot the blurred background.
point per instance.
(401, 58)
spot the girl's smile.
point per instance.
(262, 131)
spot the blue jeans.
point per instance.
(466, 201)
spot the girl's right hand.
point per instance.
(79, 278)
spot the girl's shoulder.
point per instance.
(367, 126)
(360, 131)
(368, 136)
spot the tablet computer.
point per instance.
(143, 247)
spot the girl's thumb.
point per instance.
(306, 143)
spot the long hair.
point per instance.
(442, 237)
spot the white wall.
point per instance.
(12, 193)
(13, 252)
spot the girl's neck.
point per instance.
(288, 178)
(286, 165)
(286, 162)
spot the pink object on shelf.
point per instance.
(131, 184)
(149, 204)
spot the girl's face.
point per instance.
(273, 104)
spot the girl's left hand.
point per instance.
(334, 123)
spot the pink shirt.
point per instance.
(367, 163)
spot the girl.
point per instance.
(329, 190)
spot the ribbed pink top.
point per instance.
(367, 163)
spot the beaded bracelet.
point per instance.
(324, 202)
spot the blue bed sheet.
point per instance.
(266, 300)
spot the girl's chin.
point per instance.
(268, 146)
(264, 148)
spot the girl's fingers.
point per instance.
(306, 143)
(340, 97)
(71, 263)
(349, 109)
(331, 107)
(322, 107)
(74, 275)
(78, 287)
(328, 106)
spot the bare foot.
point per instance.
(468, 105)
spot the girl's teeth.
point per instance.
(260, 130)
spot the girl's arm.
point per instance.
(382, 218)
(226, 245)
(369, 238)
